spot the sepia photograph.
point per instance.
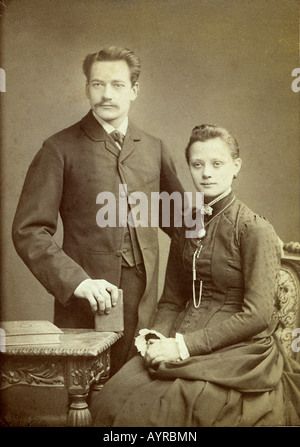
(150, 203)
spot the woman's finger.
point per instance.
(157, 360)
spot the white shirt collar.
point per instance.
(109, 128)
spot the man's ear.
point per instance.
(135, 91)
(87, 90)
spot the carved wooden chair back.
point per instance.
(287, 301)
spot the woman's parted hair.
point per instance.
(206, 132)
(114, 53)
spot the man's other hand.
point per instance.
(101, 294)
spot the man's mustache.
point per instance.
(103, 103)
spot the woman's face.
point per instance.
(212, 167)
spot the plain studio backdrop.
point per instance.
(223, 62)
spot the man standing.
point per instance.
(101, 152)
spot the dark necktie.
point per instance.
(118, 137)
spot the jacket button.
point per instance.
(123, 194)
(119, 253)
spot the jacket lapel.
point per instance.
(133, 135)
(95, 132)
(93, 129)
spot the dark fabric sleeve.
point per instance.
(260, 253)
(35, 224)
(170, 183)
(175, 293)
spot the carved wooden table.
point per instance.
(48, 385)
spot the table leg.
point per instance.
(79, 414)
(103, 372)
(78, 386)
(82, 372)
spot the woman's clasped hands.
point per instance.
(161, 350)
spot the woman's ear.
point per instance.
(237, 164)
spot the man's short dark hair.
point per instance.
(114, 53)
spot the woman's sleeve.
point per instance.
(260, 255)
(175, 293)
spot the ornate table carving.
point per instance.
(80, 361)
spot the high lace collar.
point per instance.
(219, 205)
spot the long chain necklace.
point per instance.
(197, 253)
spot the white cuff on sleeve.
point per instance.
(183, 350)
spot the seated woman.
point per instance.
(217, 362)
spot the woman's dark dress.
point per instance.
(236, 374)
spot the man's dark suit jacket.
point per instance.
(65, 177)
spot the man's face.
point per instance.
(110, 91)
